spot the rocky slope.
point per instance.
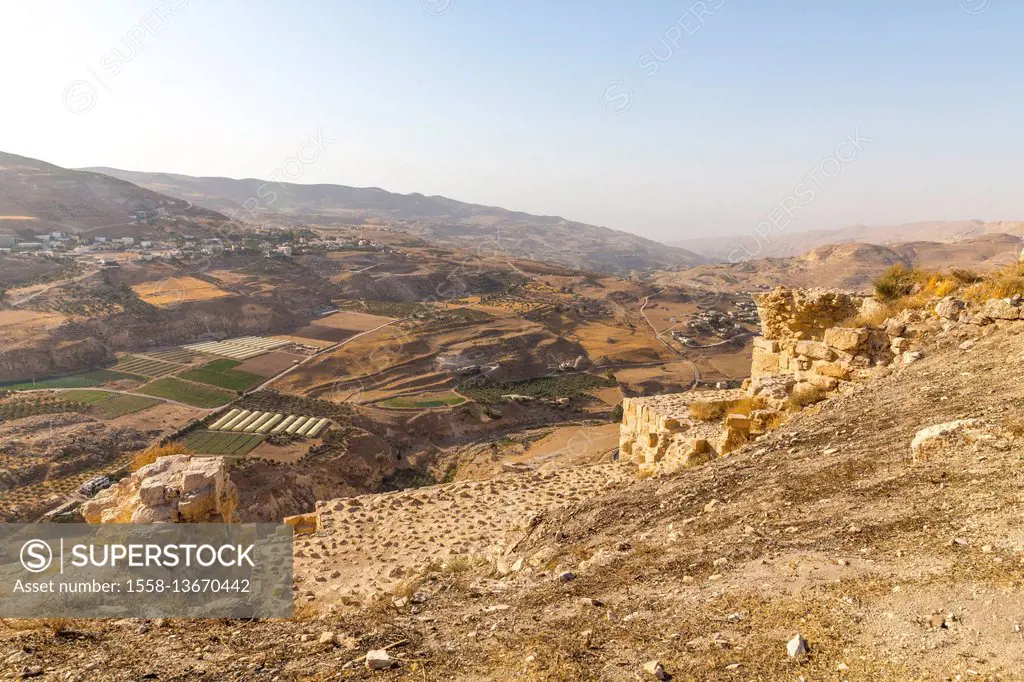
(828, 548)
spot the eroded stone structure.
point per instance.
(175, 489)
(661, 433)
(811, 344)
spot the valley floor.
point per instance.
(891, 568)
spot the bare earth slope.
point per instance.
(484, 229)
(48, 197)
(890, 567)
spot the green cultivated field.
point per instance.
(83, 380)
(220, 373)
(412, 402)
(221, 442)
(186, 392)
(115, 405)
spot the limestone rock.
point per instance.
(655, 670)
(933, 437)
(378, 659)
(304, 524)
(1002, 309)
(949, 308)
(797, 646)
(175, 489)
(816, 350)
(845, 338)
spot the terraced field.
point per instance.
(196, 395)
(147, 367)
(221, 442)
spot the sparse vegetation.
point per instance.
(715, 410)
(898, 281)
(155, 452)
(572, 386)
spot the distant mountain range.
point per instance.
(435, 219)
(780, 245)
(36, 196)
(852, 266)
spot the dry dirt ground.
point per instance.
(890, 568)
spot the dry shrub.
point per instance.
(713, 411)
(882, 313)
(899, 281)
(734, 439)
(806, 394)
(1015, 427)
(1005, 283)
(153, 453)
(56, 626)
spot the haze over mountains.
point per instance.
(851, 266)
(436, 219)
(781, 244)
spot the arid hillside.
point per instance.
(40, 197)
(872, 535)
(437, 219)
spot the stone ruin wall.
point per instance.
(808, 349)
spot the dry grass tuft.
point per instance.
(713, 411)
(56, 626)
(1002, 284)
(152, 454)
(806, 394)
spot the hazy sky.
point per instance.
(655, 117)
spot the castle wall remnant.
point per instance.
(809, 344)
(659, 433)
(174, 489)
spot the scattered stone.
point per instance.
(327, 638)
(378, 659)
(655, 669)
(933, 436)
(797, 646)
(566, 576)
(912, 356)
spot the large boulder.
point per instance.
(1002, 309)
(949, 308)
(175, 489)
